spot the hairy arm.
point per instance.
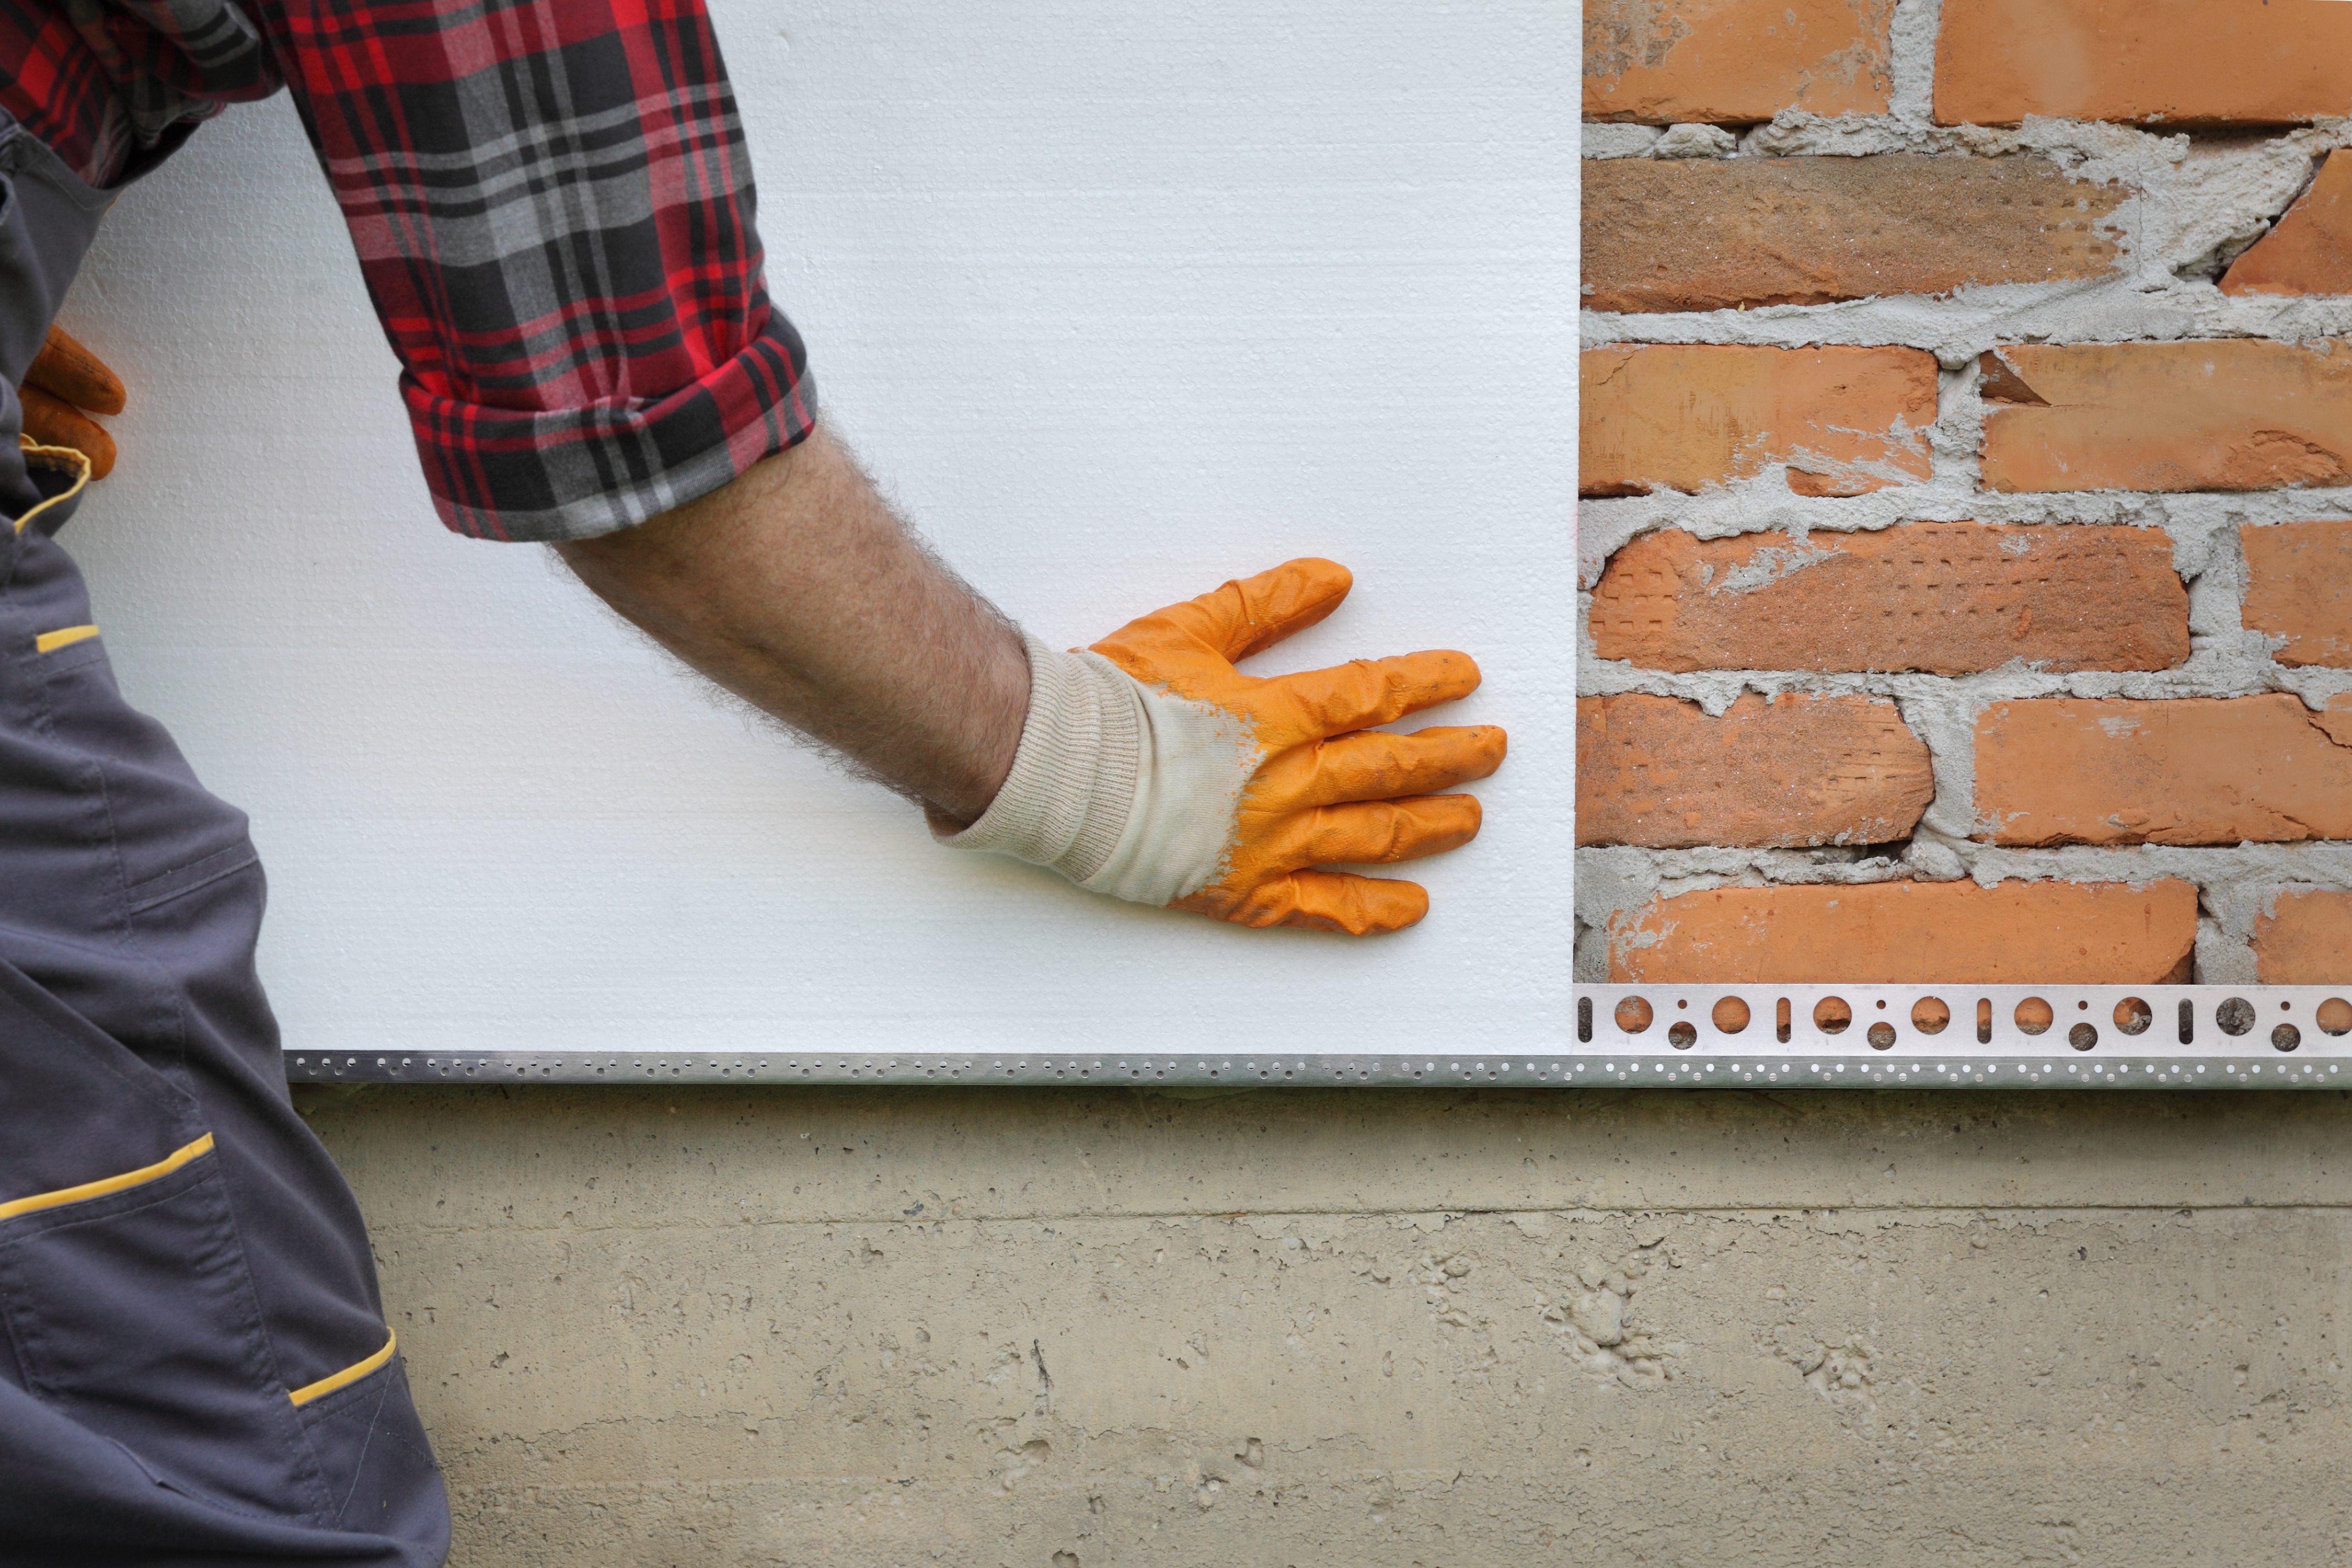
(795, 588)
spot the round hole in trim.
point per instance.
(2335, 1017)
(1831, 1016)
(2285, 1037)
(2082, 1036)
(1930, 1016)
(2133, 1015)
(1634, 1015)
(2033, 1015)
(1682, 1037)
(1881, 1036)
(2236, 1015)
(1730, 1015)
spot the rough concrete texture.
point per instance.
(865, 1330)
(1832, 421)
(1740, 232)
(2171, 417)
(1912, 932)
(2197, 202)
(2302, 938)
(2310, 251)
(2299, 590)
(1779, 770)
(1735, 62)
(2182, 62)
(2198, 770)
(1943, 598)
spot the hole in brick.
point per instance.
(2133, 1015)
(1682, 1001)
(1882, 1004)
(1682, 1037)
(2033, 1015)
(1634, 1015)
(1831, 1016)
(2236, 1015)
(2285, 1037)
(2082, 1037)
(2335, 1017)
(1730, 1015)
(1930, 1016)
(1984, 1020)
(1780, 1020)
(1881, 1036)
(1584, 1020)
(2082, 1006)
(2187, 1024)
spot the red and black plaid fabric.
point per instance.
(552, 208)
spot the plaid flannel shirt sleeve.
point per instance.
(553, 207)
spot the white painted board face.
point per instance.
(1119, 304)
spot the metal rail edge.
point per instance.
(1615, 1036)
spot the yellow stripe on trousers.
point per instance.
(99, 1189)
(350, 1374)
(64, 636)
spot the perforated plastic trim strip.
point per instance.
(2089, 1037)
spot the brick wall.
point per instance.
(1966, 464)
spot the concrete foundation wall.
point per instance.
(999, 1327)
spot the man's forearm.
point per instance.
(796, 589)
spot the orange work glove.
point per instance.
(1152, 770)
(65, 385)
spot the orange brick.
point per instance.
(2306, 941)
(2191, 770)
(2236, 415)
(2299, 587)
(1948, 598)
(1787, 771)
(1805, 231)
(1735, 61)
(2058, 933)
(1685, 417)
(2310, 249)
(2181, 62)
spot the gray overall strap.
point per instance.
(48, 215)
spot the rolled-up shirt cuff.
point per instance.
(576, 472)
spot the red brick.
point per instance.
(2305, 941)
(1708, 234)
(2310, 249)
(1948, 598)
(2299, 587)
(2234, 414)
(2181, 62)
(1685, 417)
(2191, 770)
(1933, 933)
(1734, 62)
(1788, 771)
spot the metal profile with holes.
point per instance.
(1623, 1037)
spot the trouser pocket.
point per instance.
(129, 1309)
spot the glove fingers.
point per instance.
(1343, 901)
(1243, 617)
(53, 422)
(69, 371)
(1381, 831)
(1375, 765)
(1370, 691)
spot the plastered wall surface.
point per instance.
(1118, 313)
(1401, 1330)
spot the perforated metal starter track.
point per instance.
(1656, 1036)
